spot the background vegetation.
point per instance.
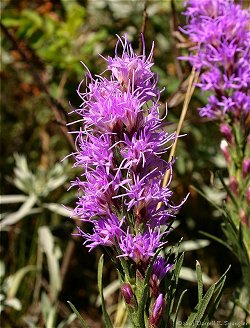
(42, 265)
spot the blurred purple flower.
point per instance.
(220, 30)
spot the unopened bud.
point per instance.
(226, 132)
(246, 167)
(157, 312)
(225, 151)
(243, 217)
(128, 295)
(233, 184)
(248, 194)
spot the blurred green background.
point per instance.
(43, 266)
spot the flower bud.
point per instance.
(248, 194)
(157, 312)
(128, 295)
(246, 167)
(233, 184)
(243, 217)
(226, 132)
(225, 151)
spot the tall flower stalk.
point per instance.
(120, 149)
(219, 31)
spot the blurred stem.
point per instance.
(38, 282)
(190, 90)
(193, 78)
(143, 26)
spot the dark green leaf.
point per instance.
(106, 318)
(80, 318)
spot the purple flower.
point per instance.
(141, 247)
(157, 311)
(119, 149)
(133, 72)
(94, 151)
(128, 295)
(159, 271)
(105, 231)
(226, 131)
(95, 195)
(220, 30)
(246, 167)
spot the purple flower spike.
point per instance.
(220, 30)
(119, 149)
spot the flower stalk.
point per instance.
(121, 150)
(220, 36)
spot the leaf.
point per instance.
(12, 199)
(230, 194)
(199, 280)
(51, 318)
(2, 269)
(106, 318)
(80, 318)
(195, 317)
(109, 290)
(178, 306)
(144, 295)
(23, 211)
(216, 239)
(13, 303)
(66, 323)
(47, 243)
(178, 267)
(13, 281)
(58, 209)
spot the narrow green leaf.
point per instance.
(178, 306)
(216, 239)
(15, 280)
(144, 296)
(220, 281)
(174, 283)
(208, 199)
(106, 318)
(199, 281)
(80, 318)
(218, 290)
(216, 301)
(178, 267)
(195, 317)
(230, 194)
(46, 240)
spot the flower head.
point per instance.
(141, 247)
(132, 71)
(220, 30)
